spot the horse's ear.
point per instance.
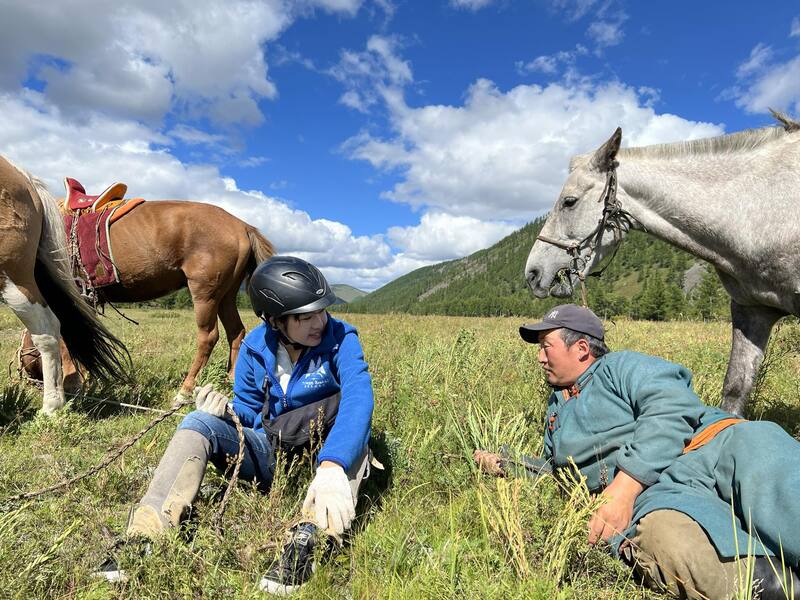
(605, 157)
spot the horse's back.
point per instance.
(161, 244)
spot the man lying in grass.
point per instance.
(686, 484)
(300, 365)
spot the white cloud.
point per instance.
(370, 279)
(760, 55)
(764, 84)
(574, 9)
(346, 6)
(253, 161)
(470, 4)
(195, 137)
(101, 150)
(367, 74)
(504, 155)
(606, 33)
(543, 64)
(550, 64)
(794, 31)
(441, 236)
(142, 59)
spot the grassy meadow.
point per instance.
(429, 525)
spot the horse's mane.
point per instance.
(741, 141)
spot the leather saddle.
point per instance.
(77, 199)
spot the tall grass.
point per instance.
(428, 526)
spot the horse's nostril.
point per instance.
(532, 277)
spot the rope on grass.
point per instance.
(124, 447)
(217, 522)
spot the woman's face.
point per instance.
(306, 328)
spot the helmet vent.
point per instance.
(270, 295)
(295, 276)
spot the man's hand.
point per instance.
(209, 401)
(329, 499)
(615, 515)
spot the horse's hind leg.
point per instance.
(31, 363)
(234, 328)
(28, 304)
(751, 329)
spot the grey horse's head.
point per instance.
(574, 221)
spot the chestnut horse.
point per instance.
(36, 283)
(164, 245)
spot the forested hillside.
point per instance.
(648, 279)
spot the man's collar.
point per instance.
(574, 390)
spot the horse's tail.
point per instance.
(89, 342)
(260, 250)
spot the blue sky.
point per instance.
(376, 136)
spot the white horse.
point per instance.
(36, 283)
(732, 200)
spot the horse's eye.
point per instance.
(570, 200)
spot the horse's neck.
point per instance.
(672, 202)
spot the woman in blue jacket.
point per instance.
(299, 356)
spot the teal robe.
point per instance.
(636, 413)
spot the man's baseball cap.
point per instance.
(570, 316)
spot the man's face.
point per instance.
(562, 365)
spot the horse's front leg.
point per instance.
(751, 329)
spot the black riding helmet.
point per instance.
(287, 285)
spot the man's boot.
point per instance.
(769, 585)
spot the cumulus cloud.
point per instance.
(142, 59)
(763, 83)
(102, 150)
(195, 137)
(441, 236)
(368, 73)
(504, 155)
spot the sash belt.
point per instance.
(709, 433)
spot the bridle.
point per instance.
(614, 217)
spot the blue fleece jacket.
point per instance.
(335, 365)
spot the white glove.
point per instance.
(210, 401)
(330, 501)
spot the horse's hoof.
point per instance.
(51, 403)
(181, 397)
(73, 384)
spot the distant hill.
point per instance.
(645, 280)
(347, 292)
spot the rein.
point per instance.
(614, 217)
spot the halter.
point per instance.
(614, 217)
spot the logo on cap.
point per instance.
(320, 291)
(553, 314)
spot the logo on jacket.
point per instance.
(316, 375)
(315, 366)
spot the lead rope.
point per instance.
(217, 520)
